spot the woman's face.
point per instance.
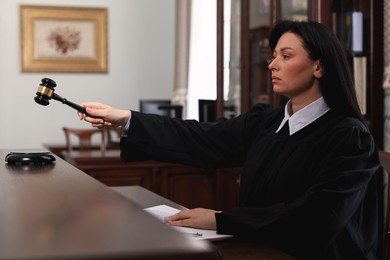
(294, 74)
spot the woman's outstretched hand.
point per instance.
(195, 218)
(102, 115)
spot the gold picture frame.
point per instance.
(63, 39)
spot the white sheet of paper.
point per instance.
(162, 211)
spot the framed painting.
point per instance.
(63, 39)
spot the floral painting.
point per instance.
(59, 39)
(64, 39)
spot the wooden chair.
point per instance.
(85, 136)
(385, 163)
(113, 137)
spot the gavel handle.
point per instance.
(69, 103)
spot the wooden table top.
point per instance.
(57, 211)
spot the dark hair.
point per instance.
(321, 44)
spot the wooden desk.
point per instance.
(58, 148)
(57, 211)
(93, 158)
(230, 249)
(217, 188)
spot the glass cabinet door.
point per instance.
(249, 22)
(262, 14)
(294, 10)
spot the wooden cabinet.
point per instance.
(256, 19)
(122, 175)
(189, 186)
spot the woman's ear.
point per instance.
(318, 69)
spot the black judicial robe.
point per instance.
(312, 194)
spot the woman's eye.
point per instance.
(283, 56)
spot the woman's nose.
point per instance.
(271, 63)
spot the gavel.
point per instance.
(45, 92)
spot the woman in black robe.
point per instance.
(308, 185)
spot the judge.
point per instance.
(308, 184)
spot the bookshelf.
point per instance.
(359, 26)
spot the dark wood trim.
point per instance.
(245, 57)
(319, 10)
(375, 70)
(220, 46)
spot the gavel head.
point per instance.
(45, 91)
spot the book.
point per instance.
(354, 31)
(360, 78)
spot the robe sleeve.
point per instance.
(209, 145)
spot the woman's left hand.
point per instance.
(195, 218)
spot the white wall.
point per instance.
(202, 76)
(141, 63)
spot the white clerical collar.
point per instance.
(304, 116)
